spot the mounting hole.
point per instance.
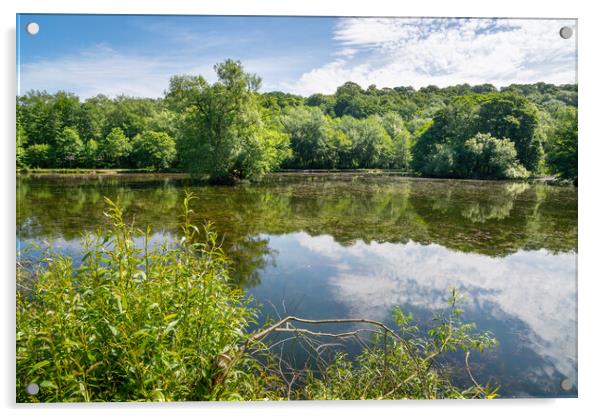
(32, 28)
(566, 32)
(32, 389)
(566, 384)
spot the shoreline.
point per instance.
(133, 173)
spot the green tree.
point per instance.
(313, 139)
(562, 157)
(93, 121)
(20, 144)
(326, 103)
(402, 140)
(220, 124)
(68, 149)
(91, 154)
(153, 149)
(39, 120)
(441, 161)
(38, 155)
(484, 156)
(264, 152)
(514, 117)
(163, 120)
(350, 100)
(130, 114)
(115, 147)
(502, 115)
(481, 156)
(451, 126)
(371, 145)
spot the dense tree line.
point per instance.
(229, 130)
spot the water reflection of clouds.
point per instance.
(536, 287)
(30, 248)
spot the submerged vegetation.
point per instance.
(228, 130)
(133, 321)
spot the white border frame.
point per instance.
(590, 150)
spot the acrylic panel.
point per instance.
(218, 208)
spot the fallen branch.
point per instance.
(260, 335)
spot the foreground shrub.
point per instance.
(131, 323)
(401, 364)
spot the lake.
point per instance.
(357, 245)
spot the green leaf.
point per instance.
(113, 330)
(158, 396)
(48, 384)
(170, 316)
(170, 327)
(39, 365)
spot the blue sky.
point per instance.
(136, 55)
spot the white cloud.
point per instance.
(392, 52)
(104, 70)
(346, 52)
(107, 71)
(534, 287)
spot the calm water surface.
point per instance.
(350, 245)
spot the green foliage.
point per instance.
(130, 115)
(153, 149)
(481, 156)
(401, 366)
(562, 157)
(501, 115)
(38, 155)
(484, 156)
(314, 141)
(93, 120)
(132, 322)
(115, 147)
(324, 102)
(68, 148)
(20, 144)
(264, 152)
(515, 118)
(278, 100)
(220, 125)
(371, 145)
(440, 162)
(91, 154)
(452, 125)
(350, 101)
(44, 116)
(228, 130)
(402, 140)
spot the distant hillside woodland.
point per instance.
(228, 130)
